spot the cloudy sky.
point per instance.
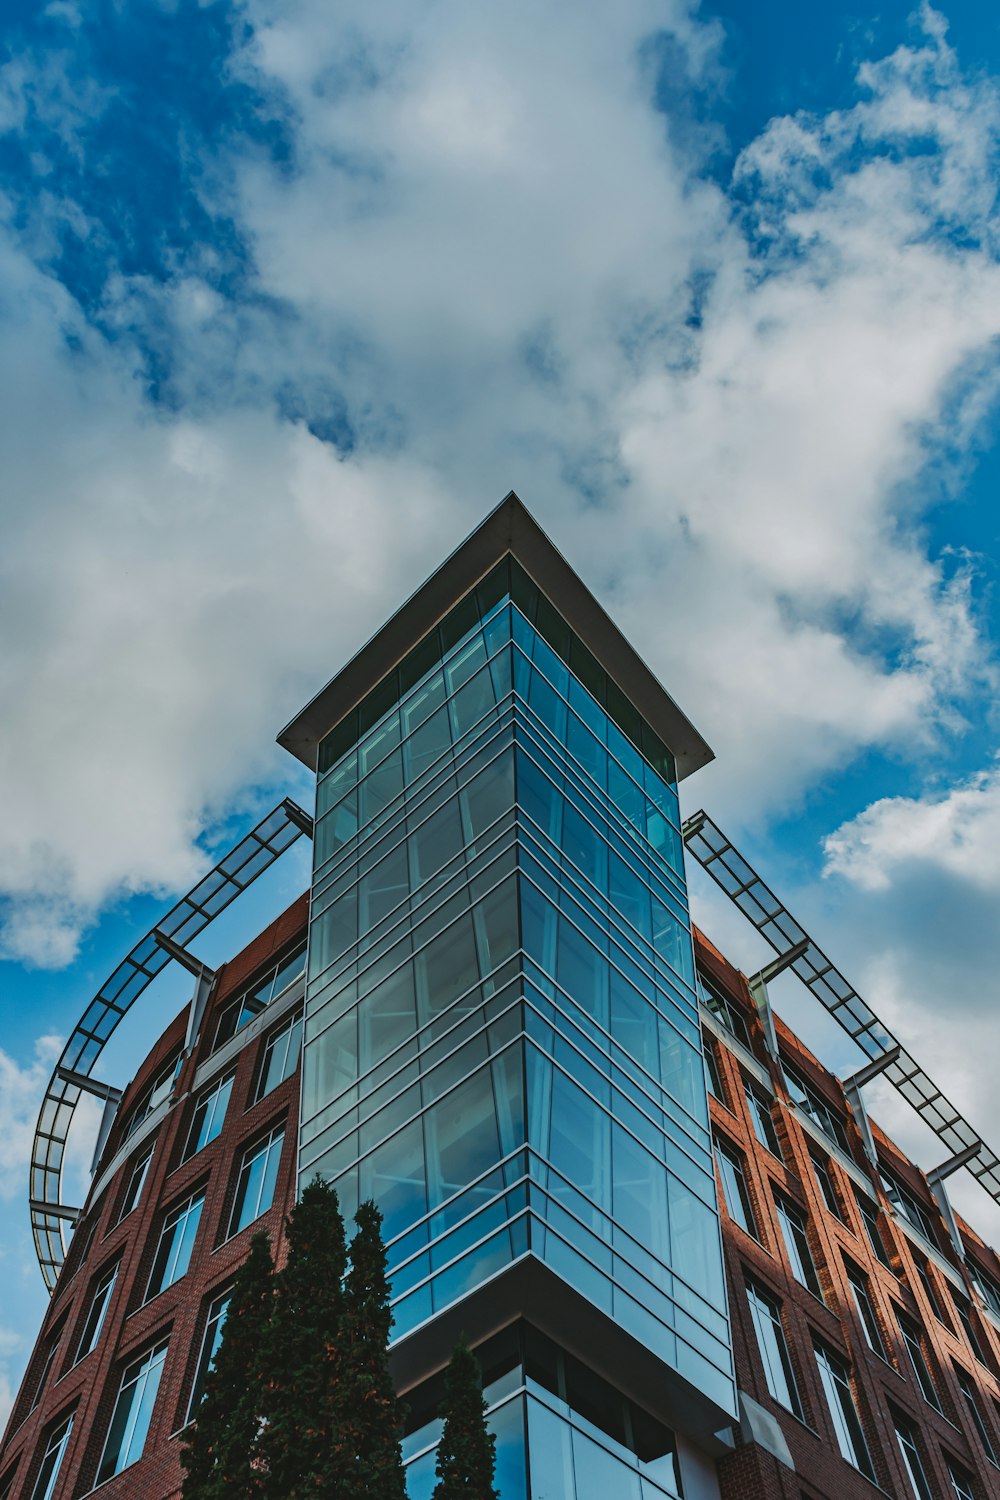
(291, 294)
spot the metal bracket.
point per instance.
(852, 1087)
(184, 958)
(55, 1210)
(105, 1091)
(295, 814)
(199, 1000)
(758, 988)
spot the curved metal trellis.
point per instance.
(758, 903)
(238, 869)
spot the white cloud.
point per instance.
(955, 833)
(482, 262)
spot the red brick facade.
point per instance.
(884, 1390)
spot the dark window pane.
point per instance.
(766, 1315)
(133, 1410)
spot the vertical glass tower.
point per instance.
(501, 1033)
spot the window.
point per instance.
(255, 1186)
(907, 1440)
(54, 1344)
(964, 1309)
(793, 1231)
(98, 1307)
(960, 1481)
(816, 1107)
(133, 1409)
(253, 1001)
(826, 1187)
(734, 1188)
(916, 1214)
(968, 1388)
(52, 1457)
(209, 1349)
(209, 1114)
(986, 1287)
(281, 1055)
(177, 1237)
(712, 1076)
(927, 1282)
(869, 1218)
(834, 1375)
(766, 1315)
(760, 1117)
(866, 1311)
(911, 1338)
(136, 1181)
(725, 1011)
(154, 1094)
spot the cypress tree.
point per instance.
(467, 1451)
(305, 1447)
(372, 1413)
(220, 1455)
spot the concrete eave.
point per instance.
(507, 529)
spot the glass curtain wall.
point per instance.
(501, 1030)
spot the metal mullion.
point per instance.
(641, 964)
(533, 665)
(421, 1078)
(612, 921)
(407, 921)
(638, 852)
(514, 1041)
(616, 1087)
(607, 808)
(706, 1171)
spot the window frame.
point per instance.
(59, 1436)
(207, 1106)
(138, 1371)
(960, 1479)
(861, 1292)
(761, 1118)
(154, 1094)
(909, 1450)
(171, 1220)
(912, 1335)
(132, 1196)
(967, 1386)
(868, 1214)
(105, 1282)
(734, 1161)
(204, 1365)
(828, 1192)
(764, 1306)
(285, 1029)
(252, 1001)
(835, 1378)
(793, 1224)
(823, 1114)
(261, 1146)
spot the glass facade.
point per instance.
(501, 1040)
(562, 1433)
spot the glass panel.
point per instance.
(132, 1414)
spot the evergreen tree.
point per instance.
(220, 1456)
(467, 1450)
(306, 1446)
(371, 1411)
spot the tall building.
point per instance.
(690, 1263)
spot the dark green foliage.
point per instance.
(467, 1450)
(371, 1412)
(303, 1445)
(220, 1456)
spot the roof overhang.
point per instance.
(507, 529)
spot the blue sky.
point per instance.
(290, 295)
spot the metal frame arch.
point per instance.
(71, 1077)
